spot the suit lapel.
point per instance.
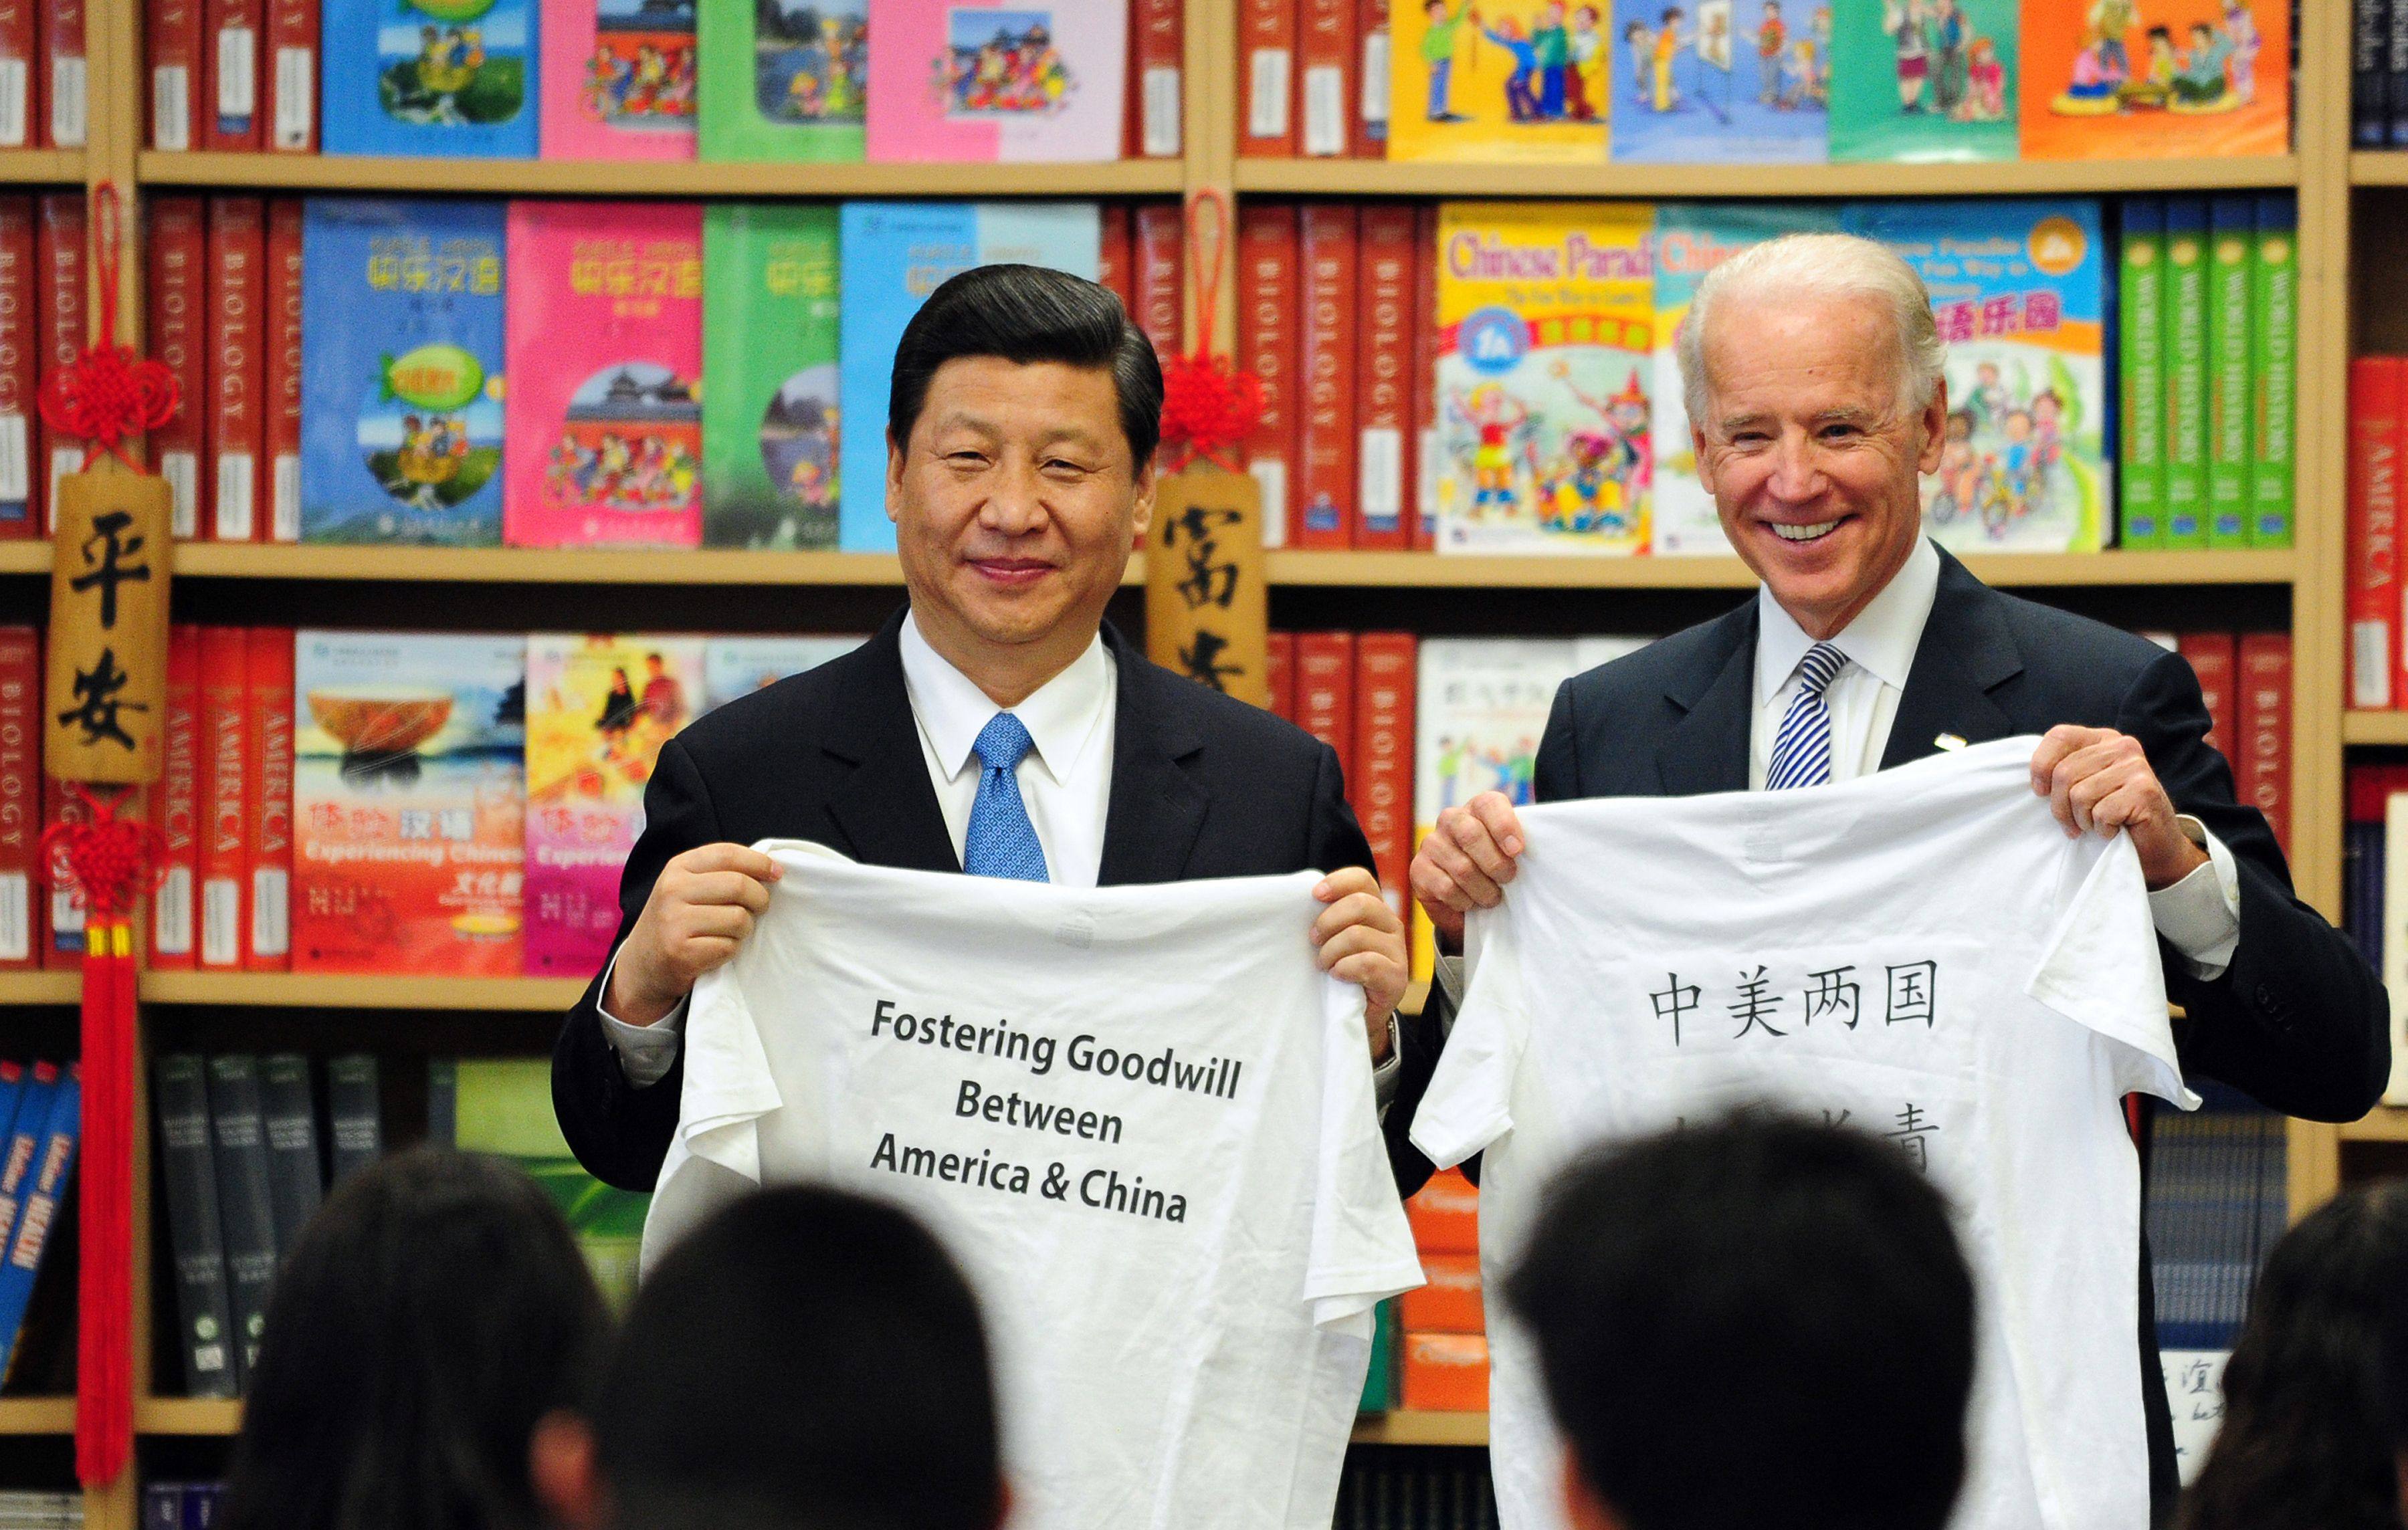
(1966, 653)
(1156, 812)
(1707, 750)
(886, 808)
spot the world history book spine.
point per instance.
(2273, 399)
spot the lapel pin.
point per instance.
(1948, 741)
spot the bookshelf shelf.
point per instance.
(2374, 727)
(2383, 1124)
(1426, 569)
(40, 988)
(2379, 167)
(42, 166)
(37, 1415)
(1380, 178)
(326, 990)
(28, 556)
(601, 178)
(1406, 1427)
(187, 1416)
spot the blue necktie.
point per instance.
(1801, 751)
(1001, 842)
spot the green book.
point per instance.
(770, 376)
(2186, 353)
(1379, 1382)
(2141, 459)
(2231, 231)
(2274, 312)
(503, 1106)
(780, 82)
(1916, 79)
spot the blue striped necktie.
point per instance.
(1801, 751)
(1001, 841)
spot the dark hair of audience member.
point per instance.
(2305, 1443)
(433, 1309)
(805, 1359)
(1756, 1321)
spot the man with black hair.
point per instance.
(805, 1359)
(995, 725)
(1756, 1321)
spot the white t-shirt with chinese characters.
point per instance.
(1140, 1117)
(1923, 953)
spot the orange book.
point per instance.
(225, 799)
(2265, 727)
(230, 32)
(171, 42)
(1445, 1214)
(1423, 513)
(2378, 396)
(1112, 253)
(1327, 85)
(234, 415)
(65, 122)
(1328, 258)
(1267, 333)
(2212, 658)
(20, 795)
(1279, 672)
(174, 294)
(280, 429)
(2179, 78)
(1324, 692)
(292, 58)
(1446, 1373)
(19, 503)
(1157, 66)
(1384, 365)
(58, 322)
(1449, 1303)
(1156, 243)
(1381, 784)
(267, 696)
(175, 806)
(1267, 79)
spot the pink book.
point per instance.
(603, 351)
(618, 80)
(980, 81)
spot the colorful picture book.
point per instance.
(783, 79)
(605, 362)
(401, 372)
(1546, 321)
(770, 321)
(737, 666)
(987, 80)
(894, 255)
(1517, 81)
(447, 77)
(599, 710)
(1924, 80)
(2017, 288)
(618, 80)
(2127, 79)
(1713, 82)
(409, 803)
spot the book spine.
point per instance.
(1370, 139)
(267, 696)
(2141, 470)
(1157, 72)
(354, 1114)
(2377, 386)
(179, 255)
(1267, 58)
(46, 1190)
(225, 729)
(2395, 62)
(171, 40)
(1112, 256)
(163, 1506)
(230, 32)
(204, 1309)
(61, 910)
(2211, 655)
(2230, 229)
(2274, 382)
(21, 80)
(1158, 241)
(1427, 468)
(1324, 692)
(64, 71)
(280, 428)
(1279, 673)
(20, 350)
(1384, 365)
(1381, 780)
(59, 299)
(2265, 722)
(22, 1139)
(2369, 80)
(293, 76)
(1330, 256)
(236, 342)
(238, 1148)
(1325, 83)
(1267, 292)
(2186, 351)
(20, 795)
(289, 1120)
(175, 806)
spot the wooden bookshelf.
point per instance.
(1403, 1426)
(17, 988)
(2004, 178)
(2379, 167)
(605, 178)
(187, 1416)
(36, 1416)
(42, 166)
(2383, 1124)
(2375, 728)
(24, 556)
(326, 991)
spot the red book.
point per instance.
(230, 32)
(291, 125)
(2265, 726)
(1158, 245)
(1326, 349)
(1279, 671)
(1267, 79)
(268, 791)
(1324, 692)
(225, 804)
(60, 933)
(58, 301)
(1369, 139)
(62, 28)
(1425, 474)
(1381, 777)
(178, 249)
(1112, 253)
(1383, 371)
(171, 40)
(1157, 66)
(2211, 656)
(1325, 81)
(21, 79)
(2378, 394)
(175, 806)
(281, 432)
(1267, 326)
(21, 794)
(20, 345)
(237, 370)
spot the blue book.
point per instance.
(163, 1506)
(30, 1112)
(401, 372)
(447, 78)
(202, 1501)
(893, 256)
(12, 1089)
(46, 1188)
(1756, 90)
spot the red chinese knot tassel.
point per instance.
(1209, 406)
(107, 397)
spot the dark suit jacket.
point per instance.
(2297, 1020)
(1202, 786)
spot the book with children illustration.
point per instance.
(769, 316)
(1720, 80)
(1514, 82)
(2129, 79)
(782, 79)
(1546, 352)
(2018, 289)
(1925, 79)
(618, 80)
(448, 77)
(737, 664)
(989, 80)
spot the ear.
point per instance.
(566, 1478)
(1704, 461)
(1935, 429)
(1582, 1509)
(893, 476)
(1141, 520)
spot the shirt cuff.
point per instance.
(646, 1053)
(1449, 974)
(1388, 1075)
(2200, 916)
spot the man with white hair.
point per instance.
(1812, 371)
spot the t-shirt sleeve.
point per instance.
(2099, 968)
(1470, 1101)
(1362, 1246)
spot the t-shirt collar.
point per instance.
(1881, 641)
(1061, 715)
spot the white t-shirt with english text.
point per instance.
(1140, 1117)
(1921, 953)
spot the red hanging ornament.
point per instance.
(108, 395)
(1209, 406)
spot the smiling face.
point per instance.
(1809, 452)
(1014, 503)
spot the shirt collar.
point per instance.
(1881, 641)
(1061, 715)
